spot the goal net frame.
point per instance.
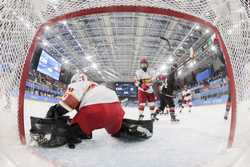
(110, 9)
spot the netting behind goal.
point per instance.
(21, 19)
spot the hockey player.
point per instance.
(144, 81)
(167, 93)
(97, 107)
(160, 81)
(186, 99)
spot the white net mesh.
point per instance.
(21, 18)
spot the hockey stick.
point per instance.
(124, 101)
(165, 39)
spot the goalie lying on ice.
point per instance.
(97, 107)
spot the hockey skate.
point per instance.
(153, 117)
(166, 113)
(161, 112)
(158, 111)
(181, 108)
(173, 118)
(141, 116)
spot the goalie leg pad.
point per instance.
(135, 129)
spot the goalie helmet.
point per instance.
(79, 77)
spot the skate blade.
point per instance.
(174, 122)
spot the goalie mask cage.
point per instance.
(22, 22)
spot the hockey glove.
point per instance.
(56, 111)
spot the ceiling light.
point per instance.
(64, 22)
(21, 19)
(192, 63)
(197, 27)
(171, 59)
(207, 31)
(163, 67)
(213, 48)
(54, 1)
(45, 43)
(66, 61)
(46, 28)
(28, 25)
(88, 58)
(94, 66)
(179, 72)
(85, 69)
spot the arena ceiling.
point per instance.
(109, 46)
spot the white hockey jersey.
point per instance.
(86, 93)
(145, 78)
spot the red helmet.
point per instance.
(162, 77)
(143, 61)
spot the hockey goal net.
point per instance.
(22, 22)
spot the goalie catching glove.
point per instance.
(49, 132)
(56, 111)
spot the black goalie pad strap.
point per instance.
(135, 129)
(148, 124)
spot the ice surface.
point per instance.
(199, 139)
(194, 141)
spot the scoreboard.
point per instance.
(125, 89)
